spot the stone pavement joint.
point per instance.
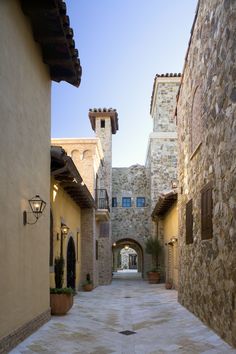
(94, 324)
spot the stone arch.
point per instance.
(132, 243)
(86, 154)
(75, 155)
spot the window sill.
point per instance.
(195, 151)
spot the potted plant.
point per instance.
(88, 284)
(169, 284)
(154, 248)
(61, 299)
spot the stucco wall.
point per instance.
(25, 170)
(65, 210)
(207, 284)
(170, 231)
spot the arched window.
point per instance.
(87, 154)
(196, 119)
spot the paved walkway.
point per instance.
(94, 324)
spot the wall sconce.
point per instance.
(64, 230)
(174, 239)
(174, 184)
(114, 244)
(126, 247)
(37, 206)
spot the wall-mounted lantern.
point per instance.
(37, 206)
(64, 232)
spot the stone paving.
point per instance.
(94, 324)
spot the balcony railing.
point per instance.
(102, 199)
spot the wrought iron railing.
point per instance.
(102, 199)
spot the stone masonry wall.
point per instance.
(207, 282)
(161, 160)
(134, 222)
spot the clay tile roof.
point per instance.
(162, 76)
(51, 29)
(104, 112)
(164, 202)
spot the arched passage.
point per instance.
(71, 259)
(135, 256)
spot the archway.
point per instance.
(71, 259)
(127, 256)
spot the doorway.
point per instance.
(71, 259)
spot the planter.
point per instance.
(153, 277)
(88, 287)
(168, 286)
(60, 303)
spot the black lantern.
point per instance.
(64, 229)
(37, 206)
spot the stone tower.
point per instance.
(105, 123)
(161, 160)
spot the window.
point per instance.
(114, 202)
(206, 212)
(126, 202)
(96, 250)
(102, 123)
(140, 202)
(189, 222)
(104, 229)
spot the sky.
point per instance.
(122, 45)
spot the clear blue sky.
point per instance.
(122, 45)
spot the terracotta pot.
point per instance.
(169, 286)
(88, 287)
(60, 303)
(153, 277)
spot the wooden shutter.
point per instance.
(206, 212)
(189, 222)
(104, 229)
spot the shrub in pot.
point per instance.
(88, 284)
(154, 248)
(61, 299)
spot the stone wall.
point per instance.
(131, 223)
(207, 283)
(161, 162)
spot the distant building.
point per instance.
(36, 47)
(206, 116)
(72, 206)
(136, 189)
(93, 159)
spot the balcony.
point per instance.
(102, 205)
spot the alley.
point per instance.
(93, 325)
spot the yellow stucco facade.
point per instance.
(65, 211)
(25, 171)
(170, 231)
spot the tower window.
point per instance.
(114, 202)
(126, 202)
(102, 123)
(140, 202)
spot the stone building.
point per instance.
(135, 190)
(72, 206)
(166, 212)
(130, 213)
(33, 37)
(206, 116)
(93, 159)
